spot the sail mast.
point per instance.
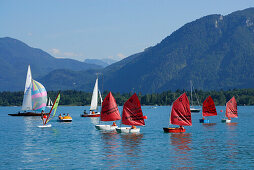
(191, 92)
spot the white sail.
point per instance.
(27, 100)
(100, 97)
(50, 103)
(94, 101)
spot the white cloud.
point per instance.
(59, 54)
(55, 51)
(121, 56)
(118, 57)
(29, 34)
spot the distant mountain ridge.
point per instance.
(15, 56)
(215, 52)
(101, 62)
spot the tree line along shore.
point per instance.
(244, 97)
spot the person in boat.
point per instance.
(114, 124)
(93, 112)
(85, 112)
(68, 114)
(60, 117)
(133, 127)
(181, 127)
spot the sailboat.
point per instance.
(180, 115)
(109, 112)
(51, 115)
(132, 115)
(192, 109)
(50, 104)
(94, 102)
(231, 110)
(208, 109)
(35, 97)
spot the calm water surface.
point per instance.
(78, 145)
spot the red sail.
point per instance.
(180, 113)
(132, 113)
(231, 108)
(109, 109)
(209, 107)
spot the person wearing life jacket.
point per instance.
(93, 112)
(181, 127)
(133, 127)
(43, 117)
(114, 124)
(60, 117)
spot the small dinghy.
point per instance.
(66, 118)
(132, 115)
(208, 109)
(109, 112)
(231, 110)
(180, 115)
(94, 102)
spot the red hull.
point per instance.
(90, 115)
(174, 130)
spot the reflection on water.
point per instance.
(208, 124)
(28, 155)
(111, 145)
(131, 148)
(182, 155)
(94, 120)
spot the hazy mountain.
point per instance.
(15, 56)
(100, 62)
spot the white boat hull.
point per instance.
(225, 120)
(127, 130)
(44, 126)
(105, 127)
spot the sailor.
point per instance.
(133, 127)
(43, 117)
(60, 117)
(114, 124)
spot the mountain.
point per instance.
(215, 52)
(15, 56)
(100, 62)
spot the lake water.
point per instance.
(78, 145)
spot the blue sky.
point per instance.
(81, 29)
